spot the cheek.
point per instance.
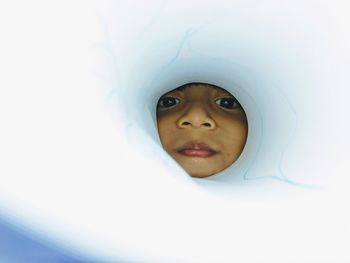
(166, 126)
(235, 135)
(239, 131)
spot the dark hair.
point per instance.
(187, 85)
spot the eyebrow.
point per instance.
(183, 87)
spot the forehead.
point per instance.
(200, 89)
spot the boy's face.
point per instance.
(202, 127)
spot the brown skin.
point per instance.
(202, 113)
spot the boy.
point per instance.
(203, 127)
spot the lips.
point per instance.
(196, 150)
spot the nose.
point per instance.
(196, 116)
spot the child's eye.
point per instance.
(167, 102)
(228, 103)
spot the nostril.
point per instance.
(207, 124)
(186, 123)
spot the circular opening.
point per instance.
(202, 126)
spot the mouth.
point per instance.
(196, 150)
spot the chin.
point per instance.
(201, 168)
(200, 176)
(197, 174)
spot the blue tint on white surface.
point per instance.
(20, 247)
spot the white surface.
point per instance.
(81, 162)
